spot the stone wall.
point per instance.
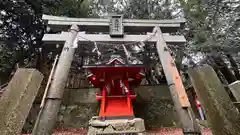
(153, 104)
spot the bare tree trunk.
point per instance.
(178, 60)
(230, 77)
(234, 65)
(210, 61)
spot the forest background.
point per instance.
(212, 32)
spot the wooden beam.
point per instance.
(102, 24)
(61, 38)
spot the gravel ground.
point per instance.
(163, 131)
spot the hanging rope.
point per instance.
(96, 49)
(140, 44)
(126, 51)
(132, 43)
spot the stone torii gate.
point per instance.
(159, 29)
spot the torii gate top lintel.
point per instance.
(57, 23)
(130, 26)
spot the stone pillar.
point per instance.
(17, 100)
(177, 90)
(221, 114)
(48, 114)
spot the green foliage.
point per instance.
(21, 30)
(212, 24)
(138, 9)
(70, 8)
(149, 9)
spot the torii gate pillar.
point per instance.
(177, 90)
(48, 114)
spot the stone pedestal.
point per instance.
(116, 126)
(17, 100)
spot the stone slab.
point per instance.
(17, 100)
(222, 115)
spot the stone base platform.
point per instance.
(130, 126)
